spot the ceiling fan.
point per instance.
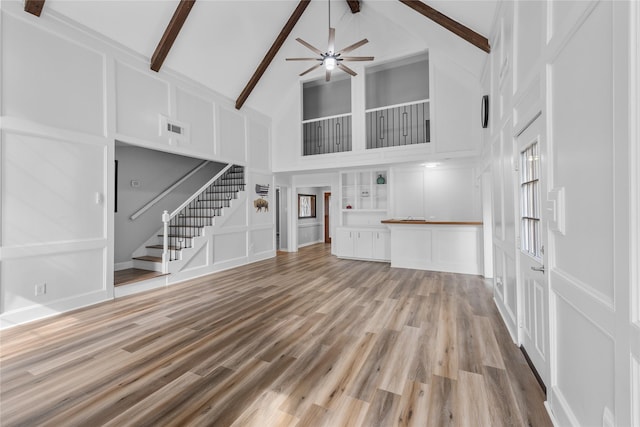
(332, 59)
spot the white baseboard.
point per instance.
(142, 286)
(262, 256)
(310, 243)
(37, 312)
(550, 413)
(122, 265)
(563, 415)
(513, 334)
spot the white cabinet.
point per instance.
(381, 245)
(344, 242)
(363, 243)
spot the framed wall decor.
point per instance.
(306, 206)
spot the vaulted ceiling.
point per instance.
(222, 42)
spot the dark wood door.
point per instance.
(327, 198)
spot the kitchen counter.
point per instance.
(451, 246)
(423, 222)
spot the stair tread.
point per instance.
(133, 275)
(148, 258)
(171, 248)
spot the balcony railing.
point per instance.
(326, 135)
(398, 125)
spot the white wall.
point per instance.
(568, 62)
(448, 192)
(67, 96)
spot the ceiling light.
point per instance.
(431, 165)
(330, 63)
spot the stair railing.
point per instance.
(169, 218)
(168, 190)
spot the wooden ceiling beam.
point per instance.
(275, 47)
(354, 5)
(34, 7)
(171, 33)
(455, 27)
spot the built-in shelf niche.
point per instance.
(397, 103)
(326, 116)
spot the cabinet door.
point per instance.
(364, 244)
(344, 243)
(381, 245)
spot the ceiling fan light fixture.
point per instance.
(332, 58)
(330, 63)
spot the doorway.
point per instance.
(282, 235)
(533, 284)
(327, 211)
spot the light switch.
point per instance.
(135, 184)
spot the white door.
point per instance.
(533, 280)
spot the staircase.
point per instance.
(186, 224)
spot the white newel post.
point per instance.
(165, 242)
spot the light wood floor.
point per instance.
(302, 339)
(133, 275)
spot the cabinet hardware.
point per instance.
(540, 269)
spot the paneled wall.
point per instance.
(68, 94)
(566, 65)
(448, 192)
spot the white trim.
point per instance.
(51, 248)
(512, 334)
(310, 243)
(118, 266)
(635, 391)
(309, 225)
(634, 166)
(554, 421)
(404, 104)
(53, 308)
(563, 416)
(320, 119)
(167, 191)
(142, 286)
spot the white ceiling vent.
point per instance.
(177, 132)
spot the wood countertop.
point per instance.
(423, 222)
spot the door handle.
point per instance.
(540, 269)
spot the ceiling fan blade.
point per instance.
(332, 40)
(303, 59)
(311, 69)
(353, 46)
(347, 69)
(357, 58)
(328, 75)
(307, 45)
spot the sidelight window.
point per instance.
(530, 201)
